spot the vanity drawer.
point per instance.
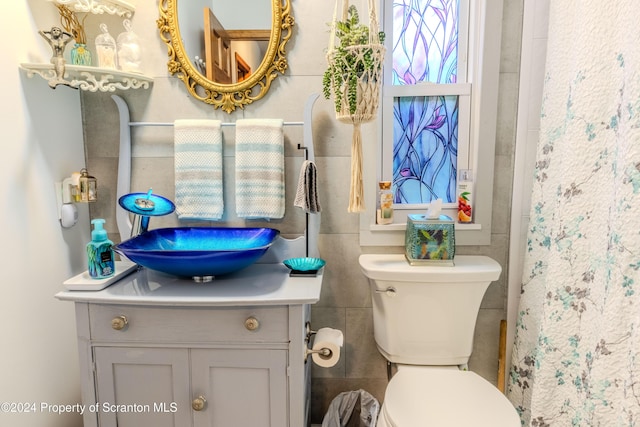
(192, 324)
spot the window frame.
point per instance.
(478, 114)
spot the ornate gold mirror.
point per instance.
(203, 48)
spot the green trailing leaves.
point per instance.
(353, 59)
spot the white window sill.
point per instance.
(393, 234)
(403, 227)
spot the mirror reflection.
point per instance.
(224, 45)
(227, 52)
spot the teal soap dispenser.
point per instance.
(100, 252)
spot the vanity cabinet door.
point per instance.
(242, 387)
(142, 387)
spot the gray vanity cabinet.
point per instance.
(153, 382)
(247, 388)
(176, 387)
(157, 351)
(157, 366)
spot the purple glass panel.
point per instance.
(425, 149)
(425, 41)
(425, 146)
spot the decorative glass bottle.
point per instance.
(80, 55)
(106, 49)
(129, 51)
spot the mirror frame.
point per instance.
(227, 96)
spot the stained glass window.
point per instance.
(425, 41)
(425, 54)
(425, 148)
(439, 105)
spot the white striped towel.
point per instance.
(198, 169)
(260, 168)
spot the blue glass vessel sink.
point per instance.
(198, 251)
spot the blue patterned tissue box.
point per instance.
(430, 241)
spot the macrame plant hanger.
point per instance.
(359, 87)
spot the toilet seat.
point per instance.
(419, 396)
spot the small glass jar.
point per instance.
(129, 50)
(106, 49)
(384, 205)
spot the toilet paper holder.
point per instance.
(309, 332)
(322, 351)
(309, 351)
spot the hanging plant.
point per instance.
(353, 62)
(354, 77)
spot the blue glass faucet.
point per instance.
(144, 206)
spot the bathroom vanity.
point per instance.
(156, 350)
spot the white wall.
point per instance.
(41, 144)
(191, 17)
(258, 19)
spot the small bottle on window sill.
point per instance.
(465, 199)
(384, 205)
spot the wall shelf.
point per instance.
(112, 7)
(92, 79)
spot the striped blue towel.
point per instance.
(198, 169)
(260, 168)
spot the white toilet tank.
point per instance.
(426, 315)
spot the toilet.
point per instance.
(423, 320)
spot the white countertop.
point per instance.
(258, 284)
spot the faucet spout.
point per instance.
(139, 225)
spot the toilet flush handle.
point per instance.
(390, 291)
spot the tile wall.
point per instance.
(345, 301)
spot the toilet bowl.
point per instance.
(424, 320)
(420, 396)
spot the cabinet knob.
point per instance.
(118, 323)
(251, 323)
(198, 403)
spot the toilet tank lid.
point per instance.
(443, 397)
(395, 267)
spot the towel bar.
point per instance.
(141, 124)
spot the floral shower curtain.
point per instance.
(576, 359)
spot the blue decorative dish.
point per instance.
(304, 265)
